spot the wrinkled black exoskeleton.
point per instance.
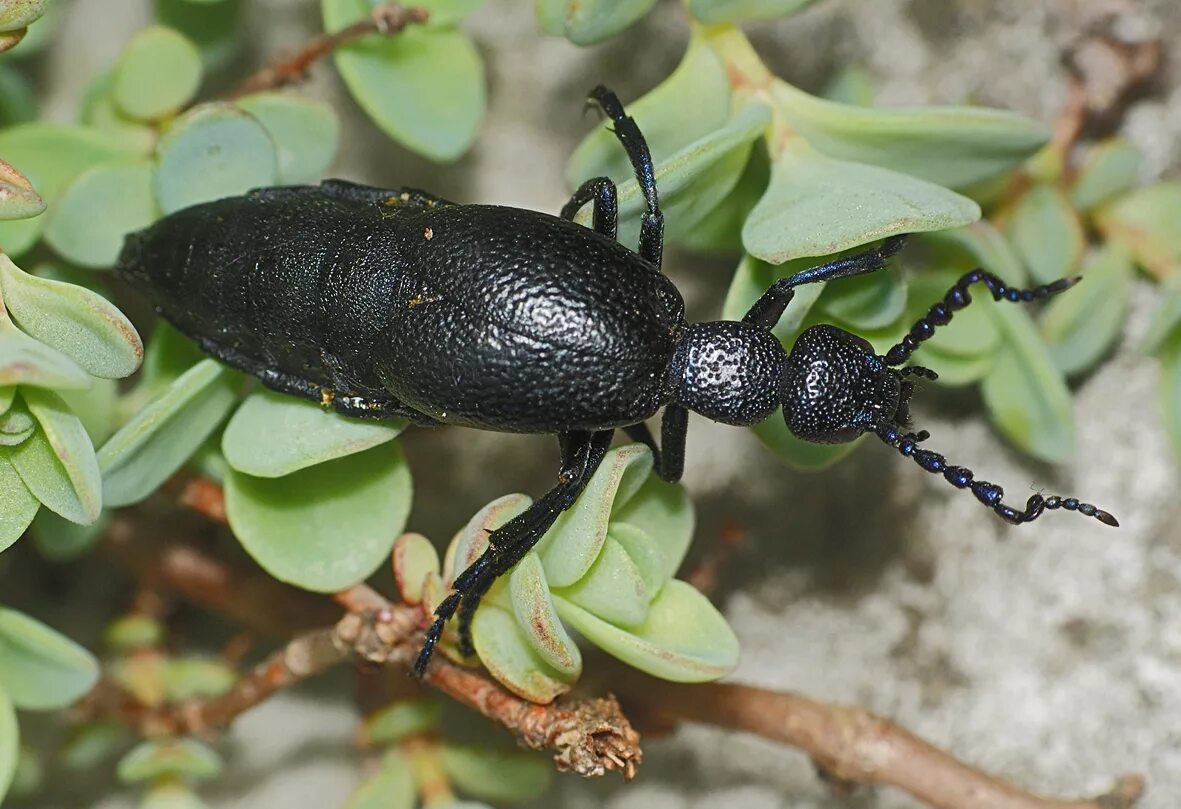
(395, 303)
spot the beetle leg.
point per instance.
(768, 309)
(957, 298)
(629, 135)
(606, 210)
(668, 460)
(581, 455)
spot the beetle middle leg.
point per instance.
(668, 460)
(582, 452)
(605, 218)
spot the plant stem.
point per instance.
(388, 19)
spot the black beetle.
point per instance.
(395, 303)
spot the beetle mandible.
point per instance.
(387, 303)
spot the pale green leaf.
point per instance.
(7, 397)
(1046, 233)
(852, 84)
(721, 230)
(509, 776)
(1170, 392)
(668, 123)
(1025, 394)
(58, 463)
(18, 198)
(165, 433)
(16, 425)
(51, 155)
(684, 639)
(18, 506)
(155, 759)
(40, 668)
(950, 146)
(585, 22)
(472, 539)
(396, 721)
(712, 12)
(663, 512)
(18, 14)
(508, 655)
(424, 87)
(74, 320)
(1166, 320)
(99, 408)
(158, 73)
(646, 554)
(1111, 167)
(327, 526)
(29, 362)
(979, 244)
(391, 787)
(100, 112)
(1145, 222)
(868, 303)
(187, 678)
(1081, 324)
(535, 614)
(90, 744)
(816, 206)
(9, 743)
(306, 133)
(168, 794)
(272, 435)
(570, 547)
(122, 191)
(613, 589)
(414, 558)
(211, 152)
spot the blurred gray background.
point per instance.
(1050, 655)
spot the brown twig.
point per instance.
(388, 19)
(851, 745)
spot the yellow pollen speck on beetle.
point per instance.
(327, 395)
(428, 234)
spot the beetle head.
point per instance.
(835, 387)
(728, 371)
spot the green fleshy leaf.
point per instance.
(572, 545)
(217, 27)
(816, 206)
(796, 452)
(695, 180)
(424, 87)
(1145, 222)
(1112, 167)
(645, 552)
(753, 277)
(663, 512)
(868, 303)
(391, 787)
(9, 743)
(29, 362)
(212, 151)
(506, 652)
(536, 616)
(158, 73)
(1025, 394)
(123, 192)
(272, 435)
(187, 678)
(16, 425)
(471, 540)
(585, 22)
(509, 776)
(100, 112)
(613, 589)
(685, 639)
(183, 758)
(40, 32)
(97, 408)
(18, 199)
(1046, 233)
(712, 12)
(414, 558)
(40, 668)
(949, 146)
(851, 85)
(393, 723)
(18, 100)
(1170, 392)
(171, 794)
(132, 632)
(668, 123)
(165, 433)
(325, 527)
(58, 463)
(7, 397)
(51, 155)
(721, 230)
(979, 244)
(167, 355)
(1166, 320)
(18, 14)
(89, 745)
(1081, 324)
(306, 133)
(18, 506)
(30, 773)
(81, 324)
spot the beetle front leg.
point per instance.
(581, 455)
(605, 217)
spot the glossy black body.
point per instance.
(484, 316)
